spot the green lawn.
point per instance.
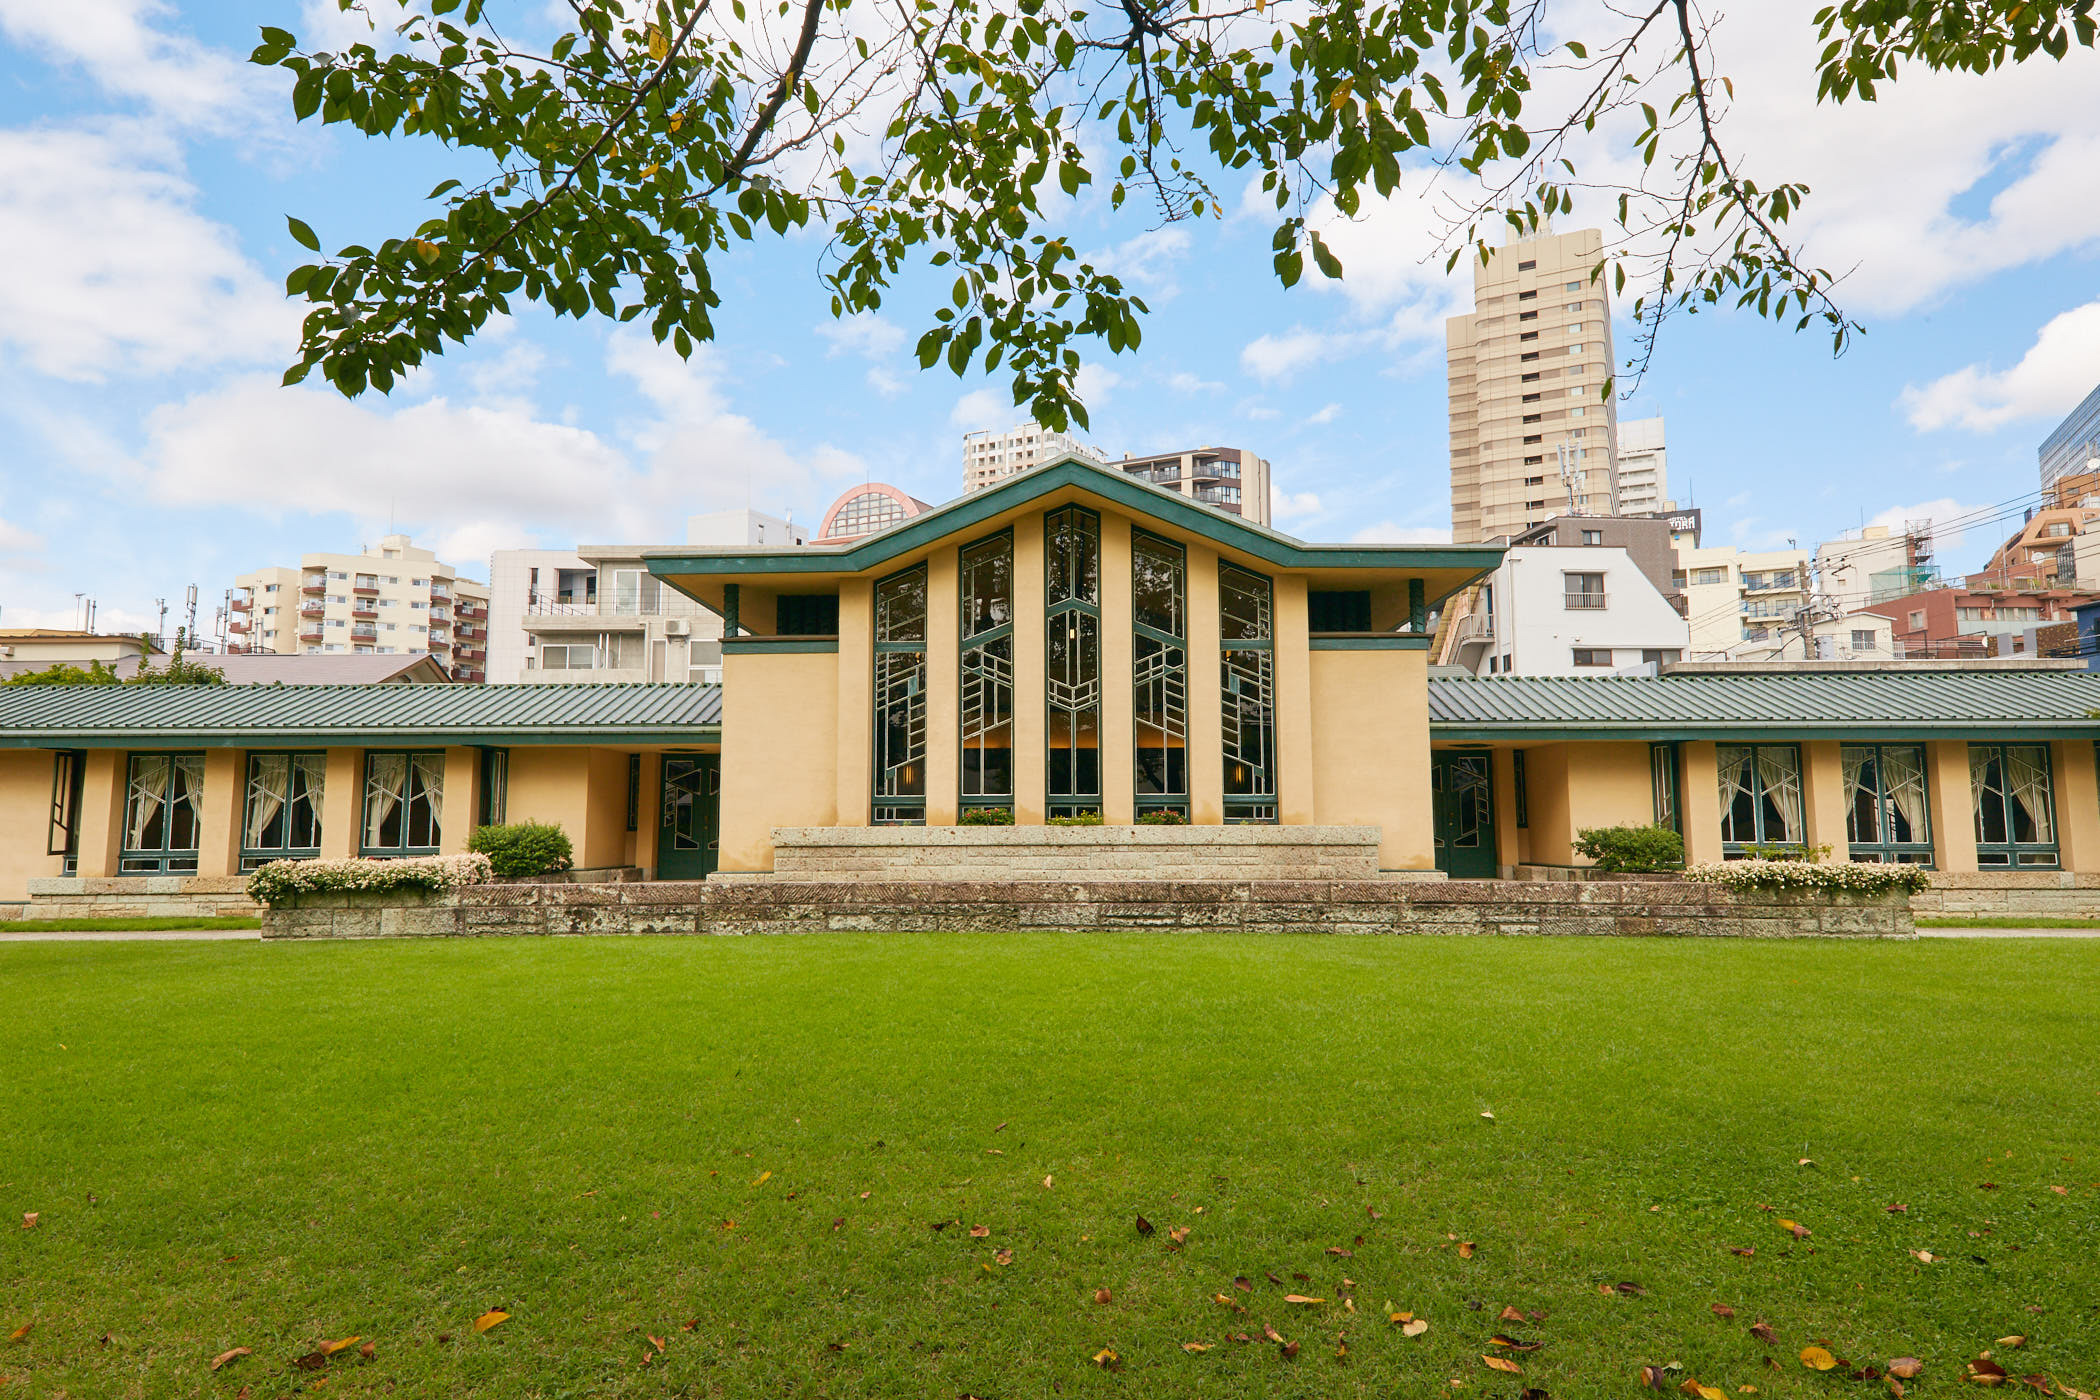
(1999, 921)
(769, 1153)
(148, 925)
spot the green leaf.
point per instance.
(302, 235)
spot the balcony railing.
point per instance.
(309, 634)
(560, 605)
(1475, 627)
(313, 585)
(365, 583)
(1587, 602)
(238, 624)
(311, 609)
(243, 603)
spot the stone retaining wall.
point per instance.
(2048, 894)
(756, 906)
(976, 854)
(141, 897)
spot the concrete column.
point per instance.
(1953, 805)
(943, 687)
(1206, 721)
(457, 817)
(1700, 800)
(342, 804)
(2077, 804)
(1118, 699)
(219, 825)
(1031, 674)
(1823, 797)
(856, 709)
(1294, 749)
(102, 812)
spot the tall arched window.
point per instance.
(1072, 593)
(900, 699)
(1160, 671)
(1246, 630)
(987, 695)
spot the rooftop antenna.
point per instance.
(160, 633)
(80, 611)
(189, 627)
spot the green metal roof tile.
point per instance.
(43, 716)
(1828, 704)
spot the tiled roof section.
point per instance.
(1829, 703)
(45, 715)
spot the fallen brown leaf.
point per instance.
(1196, 1347)
(1905, 1366)
(1510, 1315)
(2012, 1341)
(331, 1348)
(494, 1317)
(1985, 1371)
(657, 1342)
(978, 1232)
(1290, 1351)
(1465, 1249)
(689, 1324)
(29, 1219)
(20, 1332)
(1897, 1210)
(1301, 1298)
(1817, 1358)
(1502, 1363)
(312, 1361)
(1107, 1360)
(1046, 1182)
(1102, 1295)
(371, 1349)
(1341, 1253)
(1794, 1228)
(1923, 1256)
(1723, 1310)
(1653, 1378)
(1144, 1226)
(225, 1356)
(1762, 1330)
(2061, 1190)
(1415, 1328)
(1986, 1185)
(1271, 1333)
(1240, 1282)
(1179, 1234)
(1748, 1251)
(1503, 1339)
(1630, 1290)
(1002, 1256)
(2037, 1381)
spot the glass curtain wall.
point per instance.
(1760, 797)
(900, 699)
(2010, 785)
(987, 698)
(1160, 664)
(404, 803)
(1886, 818)
(1072, 641)
(281, 818)
(163, 813)
(1246, 628)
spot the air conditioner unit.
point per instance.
(677, 627)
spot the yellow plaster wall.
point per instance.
(1118, 699)
(219, 824)
(1364, 727)
(1031, 673)
(777, 771)
(604, 839)
(462, 790)
(549, 784)
(102, 812)
(342, 787)
(1953, 809)
(1297, 776)
(1699, 795)
(943, 686)
(2077, 804)
(25, 821)
(1547, 776)
(1823, 797)
(846, 703)
(648, 821)
(1511, 840)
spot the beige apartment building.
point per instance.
(1532, 433)
(393, 599)
(1228, 479)
(990, 456)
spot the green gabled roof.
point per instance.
(1865, 705)
(132, 716)
(1142, 498)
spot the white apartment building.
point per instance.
(1854, 636)
(993, 456)
(1865, 566)
(1643, 472)
(1533, 435)
(595, 613)
(393, 598)
(1558, 611)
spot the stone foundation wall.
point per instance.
(772, 905)
(140, 897)
(999, 853)
(2048, 894)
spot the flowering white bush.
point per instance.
(281, 879)
(1847, 876)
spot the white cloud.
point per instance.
(16, 542)
(1280, 357)
(983, 408)
(1147, 262)
(1288, 506)
(1393, 532)
(1326, 415)
(1183, 382)
(116, 43)
(884, 382)
(1095, 383)
(867, 335)
(2050, 380)
(116, 271)
(1951, 520)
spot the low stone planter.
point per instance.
(979, 853)
(140, 897)
(1657, 909)
(2011, 894)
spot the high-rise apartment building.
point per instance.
(392, 599)
(1532, 433)
(990, 456)
(1643, 472)
(2075, 445)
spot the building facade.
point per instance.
(393, 599)
(1229, 479)
(1734, 596)
(866, 509)
(1643, 468)
(2074, 447)
(1958, 621)
(990, 456)
(1569, 611)
(1533, 433)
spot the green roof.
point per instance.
(132, 716)
(1830, 705)
(1231, 531)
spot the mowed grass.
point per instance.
(770, 1154)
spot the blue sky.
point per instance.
(145, 172)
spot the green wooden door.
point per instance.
(1462, 791)
(687, 846)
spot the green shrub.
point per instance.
(986, 816)
(1083, 819)
(1162, 816)
(523, 848)
(281, 880)
(1631, 849)
(1848, 877)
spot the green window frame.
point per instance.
(1888, 808)
(402, 809)
(1760, 798)
(1665, 773)
(492, 789)
(1072, 661)
(1160, 672)
(1247, 693)
(2012, 790)
(1522, 788)
(899, 788)
(634, 791)
(985, 695)
(281, 804)
(62, 838)
(163, 814)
